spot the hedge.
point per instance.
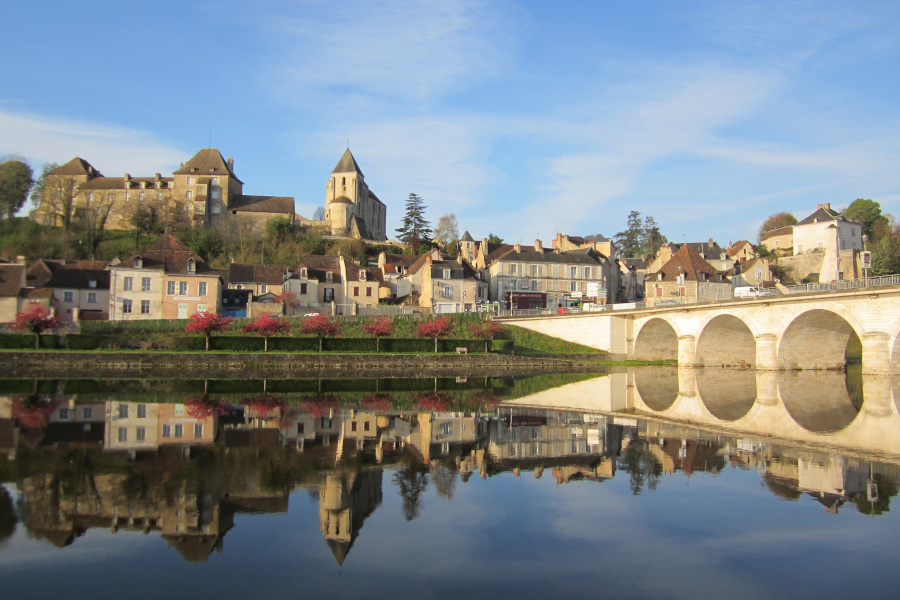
(17, 341)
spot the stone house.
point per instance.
(709, 251)
(779, 241)
(686, 278)
(534, 277)
(259, 279)
(334, 280)
(393, 268)
(829, 232)
(598, 242)
(80, 294)
(167, 280)
(447, 286)
(12, 282)
(741, 251)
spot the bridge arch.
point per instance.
(727, 394)
(818, 402)
(817, 339)
(726, 341)
(656, 340)
(657, 386)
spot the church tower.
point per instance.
(351, 209)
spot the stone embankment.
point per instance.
(144, 364)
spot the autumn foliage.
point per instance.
(206, 323)
(266, 325)
(37, 319)
(320, 326)
(435, 329)
(383, 327)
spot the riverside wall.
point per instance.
(183, 365)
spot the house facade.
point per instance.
(321, 280)
(824, 228)
(686, 278)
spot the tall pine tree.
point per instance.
(414, 223)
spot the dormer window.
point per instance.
(143, 184)
(446, 273)
(192, 266)
(362, 275)
(138, 262)
(92, 283)
(329, 277)
(659, 276)
(304, 273)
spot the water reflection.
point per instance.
(184, 469)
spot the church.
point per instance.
(351, 209)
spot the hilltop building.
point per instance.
(351, 209)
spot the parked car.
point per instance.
(749, 291)
(312, 314)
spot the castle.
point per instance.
(204, 191)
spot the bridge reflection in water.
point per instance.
(852, 412)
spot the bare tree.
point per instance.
(447, 230)
(319, 214)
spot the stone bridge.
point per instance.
(797, 331)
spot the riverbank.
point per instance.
(272, 364)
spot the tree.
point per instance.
(321, 326)
(39, 190)
(89, 221)
(631, 241)
(886, 257)
(437, 328)
(776, 221)
(290, 300)
(319, 214)
(652, 239)
(486, 330)
(383, 327)
(447, 230)
(266, 325)
(206, 323)
(494, 239)
(868, 214)
(37, 319)
(16, 181)
(279, 229)
(412, 482)
(414, 222)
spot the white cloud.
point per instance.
(112, 150)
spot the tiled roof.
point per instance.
(11, 280)
(687, 261)
(77, 166)
(79, 279)
(208, 161)
(268, 274)
(36, 293)
(268, 204)
(318, 265)
(781, 231)
(40, 271)
(580, 257)
(736, 247)
(823, 213)
(494, 251)
(347, 164)
(466, 237)
(392, 261)
(170, 255)
(597, 237)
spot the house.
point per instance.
(534, 277)
(447, 286)
(632, 273)
(393, 268)
(321, 280)
(259, 279)
(824, 228)
(756, 272)
(598, 242)
(709, 251)
(741, 251)
(12, 282)
(686, 277)
(202, 191)
(351, 209)
(166, 280)
(80, 294)
(779, 241)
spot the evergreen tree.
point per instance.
(414, 223)
(631, 241)
(653, 238)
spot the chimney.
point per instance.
(158, 177)
(231, 164)
(20, 260)
(182, 164)
(518, 248)
(828, 205)
(538, 246)
(818, 207)
(428, 260)
(127, 176)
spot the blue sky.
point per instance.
(523, 118)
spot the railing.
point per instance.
(808, 288)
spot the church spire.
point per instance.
(347, 164)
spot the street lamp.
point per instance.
(837, 252)
(866, 258)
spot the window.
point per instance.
(201, 308)
(92, 297)
(198, 430)
(159, 196)
(128, 283)
(301, 427)
(328, 295)
(366, 426)
(190, 181)
(68, 296)
(141, 434)
(182, 288)
(353, 426)
(369, 292)
(355, 290)
(87, 413)
(446, 273)
(145, 284)
(123, 411)
(192, 266)
(92, 283)
(109, 197)
(535, 285)
(573, 272)
(142, 411)
(170, 288)
(179, 430)
(126, 306)
(123, 434)
(216, 209)
(263, 289)
(189, 195)
(214, 194)
(303, 288)
(167, 431)
(64, 413)
(141, 196)
(587, 273)
(127, 196)
(329, 277)
(573, 286)
(201, 290)
(213, 181)
(145, 307)
(534, 270)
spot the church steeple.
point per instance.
(347, 164)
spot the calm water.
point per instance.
(647, 483)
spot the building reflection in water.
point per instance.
(185, 469)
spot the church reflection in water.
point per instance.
(184, 469)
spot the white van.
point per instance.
(749, 291)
